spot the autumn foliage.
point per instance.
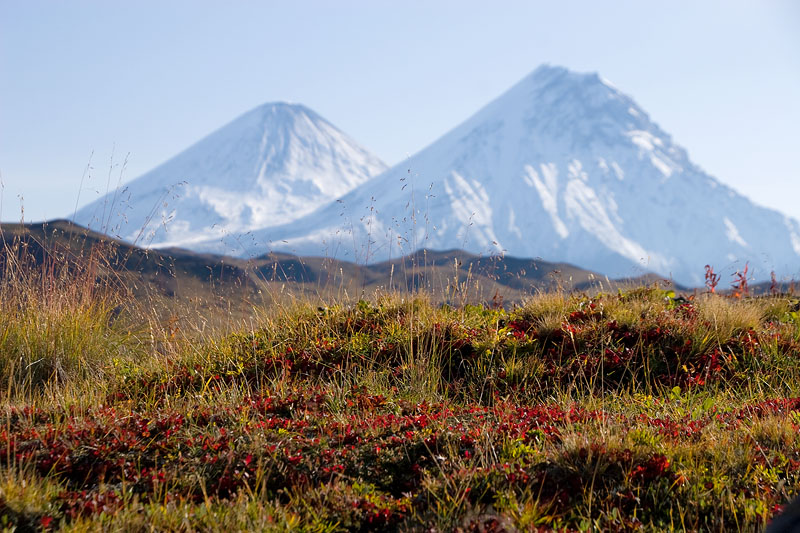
(639, 410)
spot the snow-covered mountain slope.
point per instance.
(270, 166)
(563, 167)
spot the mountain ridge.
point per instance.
(177, 277)
(576, 163)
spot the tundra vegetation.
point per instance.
(630, 410)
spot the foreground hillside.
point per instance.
(635, 410)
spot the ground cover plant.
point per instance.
(632, 410)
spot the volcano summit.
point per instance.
(270, 166)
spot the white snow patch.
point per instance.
(613, 207)
(793, 236)
(644, 140)
(226, 204)
(512, 223)
(575, 170)
(608, 84)
(732, 232)
(548, 194)
(618, 171)
(550, 174)
(583, 204)
(470, 203)
(662, 166)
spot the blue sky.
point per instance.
(103, 82)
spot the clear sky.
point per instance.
(90, 82)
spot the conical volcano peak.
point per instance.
(554, 108)
(284, 117)
(268, 166)
(281, 105)
(564, 90)
(547, 73)
(548, 78)
(581, 110)
(286, 111)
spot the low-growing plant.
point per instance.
(640, 410)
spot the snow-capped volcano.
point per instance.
(563, 167)
(270, 166)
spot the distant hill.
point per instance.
(175, 275)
